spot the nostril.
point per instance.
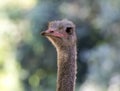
(51, 31)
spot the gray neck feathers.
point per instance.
(66, 68)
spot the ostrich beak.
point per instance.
(51, 33)
(42, 33)
(47, 32)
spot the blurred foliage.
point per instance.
(28, 61)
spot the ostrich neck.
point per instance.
(66, 68)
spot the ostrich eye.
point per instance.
(69, 30)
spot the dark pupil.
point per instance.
(69, 30)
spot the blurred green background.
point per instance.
(28, 60)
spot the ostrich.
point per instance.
(62, 35)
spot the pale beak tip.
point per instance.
(42, 33)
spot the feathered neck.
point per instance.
(66, 68)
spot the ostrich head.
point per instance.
(61, 33)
